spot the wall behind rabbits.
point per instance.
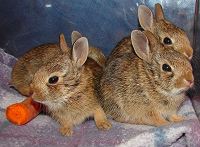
(27, 23)
(196, 46)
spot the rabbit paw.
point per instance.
(66, 131)
(101, 120)
(156, 119)
(176, 118)
(161, 122)
(103, 125)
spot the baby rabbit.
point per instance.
(146, 86)
(30, 62)
(67, 86)
(167, 33)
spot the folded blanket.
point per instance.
(43, 131)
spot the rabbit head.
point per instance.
(170, 70)
(168, 34)
(57, 80)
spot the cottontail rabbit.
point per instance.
(147, 85)
(30, 62)
(167, 33)
(67, 86)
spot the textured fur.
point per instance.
(161, 28)
(29, 63)
(136, 90)
(73, 98)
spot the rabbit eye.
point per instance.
(167, 41)
(53, 80)
(166, 67)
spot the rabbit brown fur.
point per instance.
(161, 28)
(67, 86)
(136, 88)
(31, 61)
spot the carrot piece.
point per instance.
(23, 112)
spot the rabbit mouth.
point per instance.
(53, 105)
(37, 98)
(172, 92)
(38, 101)
(180, 90)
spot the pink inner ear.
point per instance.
(80, 51)
(140, 44)
(145, 17)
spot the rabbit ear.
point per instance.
(75, 36)
(141, 45)
(145, 17)
(153, 41)
(159, 15)
(63, 44)
(80, 51)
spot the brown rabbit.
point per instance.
(165, 31)
(146, 86)
(67, 86)
(30, 62)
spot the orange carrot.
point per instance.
(23, 112)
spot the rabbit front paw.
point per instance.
(103, 125)
(176, 118)
(101, 120)
(66, 131)
(161, 122)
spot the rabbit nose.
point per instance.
(189, 83)
(190, 58)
